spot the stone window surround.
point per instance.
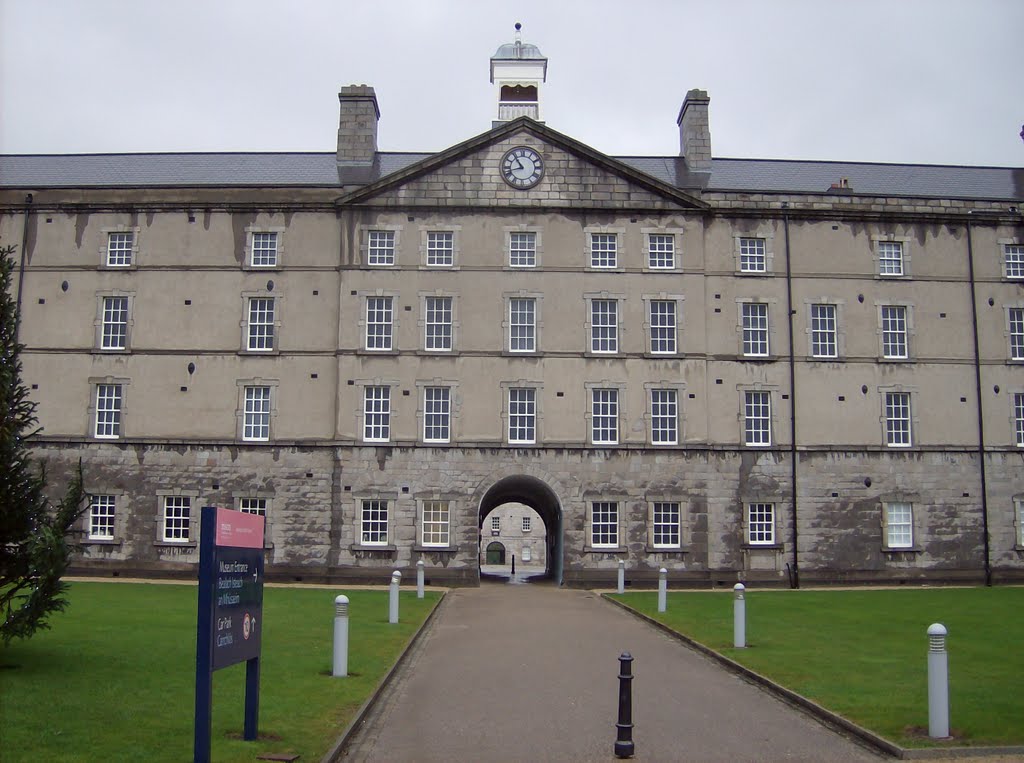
(1003, 243)
(684, 525)
(421, 322)
(909, 334)
(772, 304)
(538, 241)
(773, 412)
(680, 388)
(98, 323)
(1018, 521)
(420, 545)
(620, 388)
(840, 306)
(1012, 395)
(244, 323)
(389, 497)
(914, 420)
(767, 233)
(361, 385)
(538, 321)
(608, 230)
(122, 510)
(677, 237)
(621, 501)
(900, 496)
(620, 300)
(247, 258)
(662, 297)
(193, 520)
(1018, 305)
(427, 229)
(268, 518)
(538, 419)
(241, 384)
(105, 232)
(762, 498)
(364, 245)
(453, 408)
(94, 382)
(363, 296)
(906, 252)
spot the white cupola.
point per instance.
(517, 71)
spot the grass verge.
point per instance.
(863, 654)
(115, 677)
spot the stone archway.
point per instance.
(538, 495)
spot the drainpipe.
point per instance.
(21, 269)
(977, 390)
(794, 580)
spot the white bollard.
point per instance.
(739, 617)
(662, 589)
(340, 637)
(938, 682)
(396, 579)
(622, 575)
(419, 579)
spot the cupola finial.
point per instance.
(519, 34)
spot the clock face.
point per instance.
(522, 167)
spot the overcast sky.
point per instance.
(923, 81)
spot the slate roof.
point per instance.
(321, 170)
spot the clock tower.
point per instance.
(518, 70)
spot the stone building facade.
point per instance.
(513, 531)
(755, 370)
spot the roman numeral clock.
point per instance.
(522, 167)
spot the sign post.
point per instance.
(229, 625)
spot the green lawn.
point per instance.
(863, 654)
(115, 677)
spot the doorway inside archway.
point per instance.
(523, 515)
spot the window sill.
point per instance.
(101, 542)
(602, 550)
(257, 353)
(175, 544)
(761, 546)
(110, 351)
(666, 550)
(383, 353)
(754, 273)
(907, 550)
(435, 549)
(115, 268)
(388, 549)
(261, 268)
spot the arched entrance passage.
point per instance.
(538, 496)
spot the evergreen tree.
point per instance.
(34, 544)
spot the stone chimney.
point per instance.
(695, 132)
(357, 125)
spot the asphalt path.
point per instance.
(530, 673)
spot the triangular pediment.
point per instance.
(470, 175)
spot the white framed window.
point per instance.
(380, 247)
(665, 523)
(376, 413)
(373, 522)
(1018, 506)
(495, 523)
(604, 524)
(753, 255)
(114, 332)
(261, 324)
(604, 250)
(824, 331)
(379, 323)
(522, 415)
(761, 524)
(120, 247)
(256, 422)
(890, 258)
(435, 523)
(894, 332)
(1018, 418)
(101, 517)
(661, 251)
(522, 249)
(257, 506)
(437, 414)
(438, 324)
(522, 324)
(109, 400)
(604, 423)
(1015, 324)
(177, 518)
(897, 420)
(664, 416)
(663, 326)
(1013, 260)
(527, 525)
(264, 249)
(754, 319)
(440, 249)
(757, 418)
(604, 326)
(899, 524)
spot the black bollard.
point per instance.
(624, 739)
(513, 564)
